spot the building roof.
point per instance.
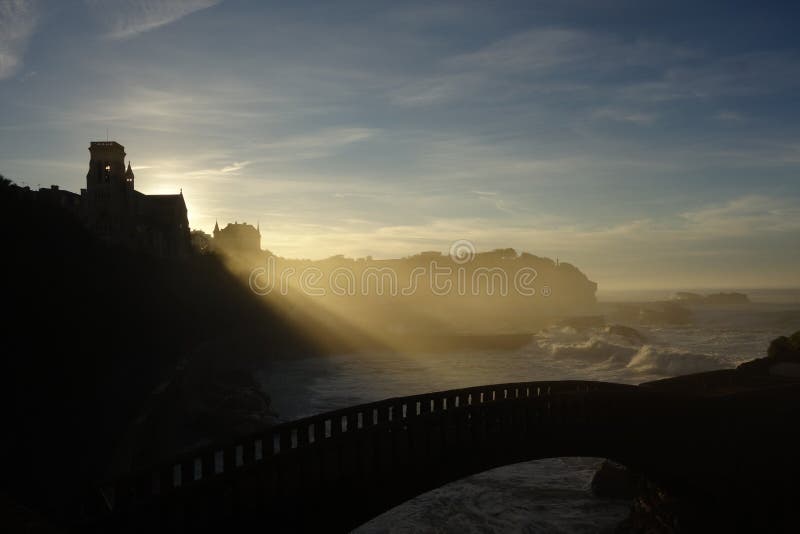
(165, 198)
(107, 144)
(161, 206)
(237, 227)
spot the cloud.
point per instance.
(740, 75)
(129, 18)
(545, 49)
(625, 115)
(145, 107)
(751, 215)
(492, 198)
(546, 61)
(235, 167)
(432, 91)
(17, 21)
(605, 76)
(729, 116)
(532, 50)
(315, 145)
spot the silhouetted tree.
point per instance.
(201, 241)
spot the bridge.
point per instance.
(709, 436)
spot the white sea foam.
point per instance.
(609, 351)
(668, 361)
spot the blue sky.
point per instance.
(651, 144)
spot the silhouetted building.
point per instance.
(116, 211)
(67, 200)
(237, 238)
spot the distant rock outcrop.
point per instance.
(495, 292)
(726, 299)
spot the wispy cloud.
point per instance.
(739, 75)
(532, 50)
(430, 91)
(144, 107)
(729, 116)
(316, 144)
(537, 50)
(625, 115)
(546, 61)
(751, 215)
(235, 167)
(129, 18)
(17, 21)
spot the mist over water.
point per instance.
(715, 339)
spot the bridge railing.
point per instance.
(224, 459)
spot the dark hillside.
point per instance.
(89, 330)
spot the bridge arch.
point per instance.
(336, 470)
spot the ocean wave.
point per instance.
(593, 349)
(623, 350)
(668, 361)
(598, 345)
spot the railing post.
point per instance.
(205, 466)
(268, 443)
(303, 435)
(248, 451)
(352, 422)
(285, 440)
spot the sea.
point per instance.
(546, 495)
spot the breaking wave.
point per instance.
(622, 352)
(670, 362)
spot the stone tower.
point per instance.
(106, 164)
(109, 191)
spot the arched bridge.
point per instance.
(336, 470)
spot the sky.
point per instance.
(652, 144)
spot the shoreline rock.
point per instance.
(783, 358)
(614, 481)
